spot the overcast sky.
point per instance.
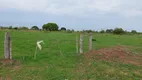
(73, 14)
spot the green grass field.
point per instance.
(50, 65)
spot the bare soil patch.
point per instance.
(117, 53)
(13, 64)
(6, 61)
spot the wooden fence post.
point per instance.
(77, 43)
(90, 41)
(59, 47)
(7, 46)
(81, 43)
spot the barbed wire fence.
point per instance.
(78, 44)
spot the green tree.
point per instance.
(10, 27)
(118, 31)
(16, 28)
(34, 28)
(102, 31)
(50, 27)
(134, 31)
(63, 28)
(109, 31)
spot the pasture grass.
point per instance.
(50, 65)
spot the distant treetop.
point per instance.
(50, 27)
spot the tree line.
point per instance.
(47, 27)
(114, 31)
(55, 27)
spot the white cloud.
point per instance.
(76, 7)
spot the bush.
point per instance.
(15, 28)
(109, 31)
(102, 31)
(69, 31)
(118, 31)
(34, 28)
(10, 27)
(94, 40)
(63, 29)
(134, 31)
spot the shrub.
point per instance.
(102, 31)
(134, 31)
(109, 31)
(63, 29)
(16, 28)
(118, 31)
(34, 28)
(69, 31)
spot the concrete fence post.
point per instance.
(90, 41)
(81, 43)
(77, 44)
(7, 46)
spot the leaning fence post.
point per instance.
(81, 43)
(77, 44)
(90, 41)
(7, 46)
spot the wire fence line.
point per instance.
(65, 46)
(78, 44)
